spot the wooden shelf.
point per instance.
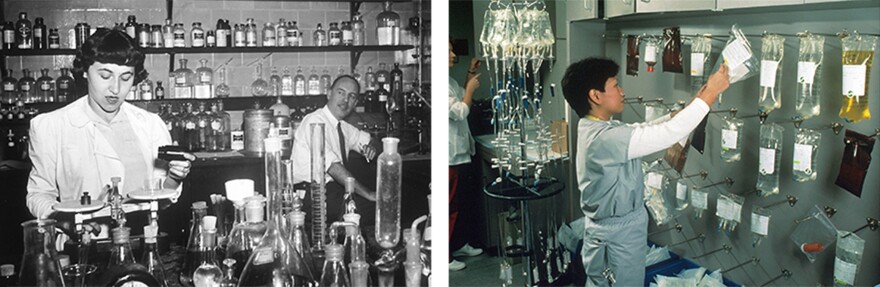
(218, 50)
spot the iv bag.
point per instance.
(855, 161)
(700, 201)
(772, 47)
(729, 211)
(653, 112)
(850, 249)
(738, 56)
(700, 51)
(770, 152)
(806, 145)
(672, 50)
(858, 54)
(731, 139)
(809, 73)
(760, 225)
(814, 233)
(632, 56)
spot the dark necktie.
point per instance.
(342, 149)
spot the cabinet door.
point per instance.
(614, 8)
(581, 9)
(648, 6)
(729, 4)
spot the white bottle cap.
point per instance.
(7, 270)
(200, 205)
(389, 145)
(352, 217)
(209, 222)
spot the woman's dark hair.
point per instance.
(109, 47)
(583, 76)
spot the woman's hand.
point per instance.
(472, 84)
(475, 64)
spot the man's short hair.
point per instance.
(583, 76)
(346, 76)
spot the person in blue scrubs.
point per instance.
(608, 166)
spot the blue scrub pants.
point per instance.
(618, 243)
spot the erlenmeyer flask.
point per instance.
(259, 88)
(151, 259)
(39, 264)
(334, 273)
(274, 262)
(194, 243)
(246, 236)
(300, 240)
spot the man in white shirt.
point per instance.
(340, 138)
(608, 166)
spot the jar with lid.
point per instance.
(144, 37)
(179, 36)
(46, 87)
(347, 34)
(269, 39)
(184, 80)
(388, 26)
(335, 34)
(319, 38)
(204, 80)
(357, 30)
(198, 35)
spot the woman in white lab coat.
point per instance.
(80, 146)
(608, 166)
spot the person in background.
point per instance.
(461, 148)
(609, 167)
(340, 139)
(80, 146)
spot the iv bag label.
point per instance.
(853, 80)
(681, 191)
(768, 73)
(655, 180)
(263, 256)
(767, 161)
(806, 72)
(760, 224)
(844, 271)
(699, 199)
(650, 53)
(728, 139)
(725, 208)
(803, 156)
(735, 54)
(697, 64)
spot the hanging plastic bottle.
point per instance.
(806, 145)
(729, 211)
(194, 246)
(731, 141)
(760, 225)
(274, 261)
(699, 200)
(681, 195)
(810, 54)
(770, 153)
(151, 258)
(334, 273)
(39, 263)
(772, 48)
(858, 55)
(388, 182)
(208, 274)
(651, 51)
(849, 253)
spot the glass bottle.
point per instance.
(299, 83)
(40, 34)
(184, 80)
(222, 89)
(210, 39)
(357, 250)
(131, 27)
(279, 108)
(299, 239)
(144, 37)
(397, 82)
(319, 38)
(383, 77)
(347, 34)
(215, 138)
(275, 261)
(314, 83)
(203, 126)
(413, 263)
(240, 39)
(274, 83)
(287, 83)
(26, 87)
(388, 195)
(221, 33)
(380, 99)
(205, 80)
(269, 39)
(292, 34)
(23, 32)
(388, 26)
(208, 273)
(334, 273)
(10, 87)
(65, 86)
(39, 263)
(46, 86)
(145, 89)
(159, 93)
(259, 88)
(194, 246)
(198, 35)
(227, 123)
(168, 34)
(150, 258)
(281, 33)
(325, 82)
(54, 41)
(250, 31)
(179, 36)
(122, 270)
(229, 280)
(357, 29)
(8, 36)
(334, 34)
(246, 236)
(370, 98)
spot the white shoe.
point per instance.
(456, 265)
(467, 250)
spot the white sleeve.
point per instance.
(648, 139)
(659, 120)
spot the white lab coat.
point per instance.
(461, 142)
(70, 155)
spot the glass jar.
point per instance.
(286, 83)
(319, 38)
(250, 32)
(388, 26)
(39, 263)
(259, 88)
(314, 85)
(26, 87)
(65, 86)
(145, 90)
(46, 87)
(204, 80)
(274, 83)
(179, 36)
(184, 81)
(198, 35)
(281, 33)
(293, 39)
(239, 36)
(269, 39)
(299, 83)
(335, 35)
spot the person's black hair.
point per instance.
(346, 76)
(108, 46)
(583, 76)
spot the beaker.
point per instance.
(39, 263)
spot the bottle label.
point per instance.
(63, 86)
(767, 161)
(215, 125)
(203, 91)
(314, 87)
(251, 38)
(654, 180)
(699, 199)
(147, 95)
(347, 36)
(803, 157)
(44, 86)
(844, 272)
(263, 256)
(179, 40)
(205, 78)
(203, 123)
(239, 39)
(806, 72)
(221, 38)
(284, 133)
(237, 140)
(697, 64)
(300, 88)
(190, 126)
(198, 42)
(25, 87)
(38, 33)
(9, 36)
(386, 36)
(650, 53)
(760, 224)
(383, 98)
(853, 80)
(728, 139)
(8, 87)
(768, 73)
(681, 191)
(180, 80)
